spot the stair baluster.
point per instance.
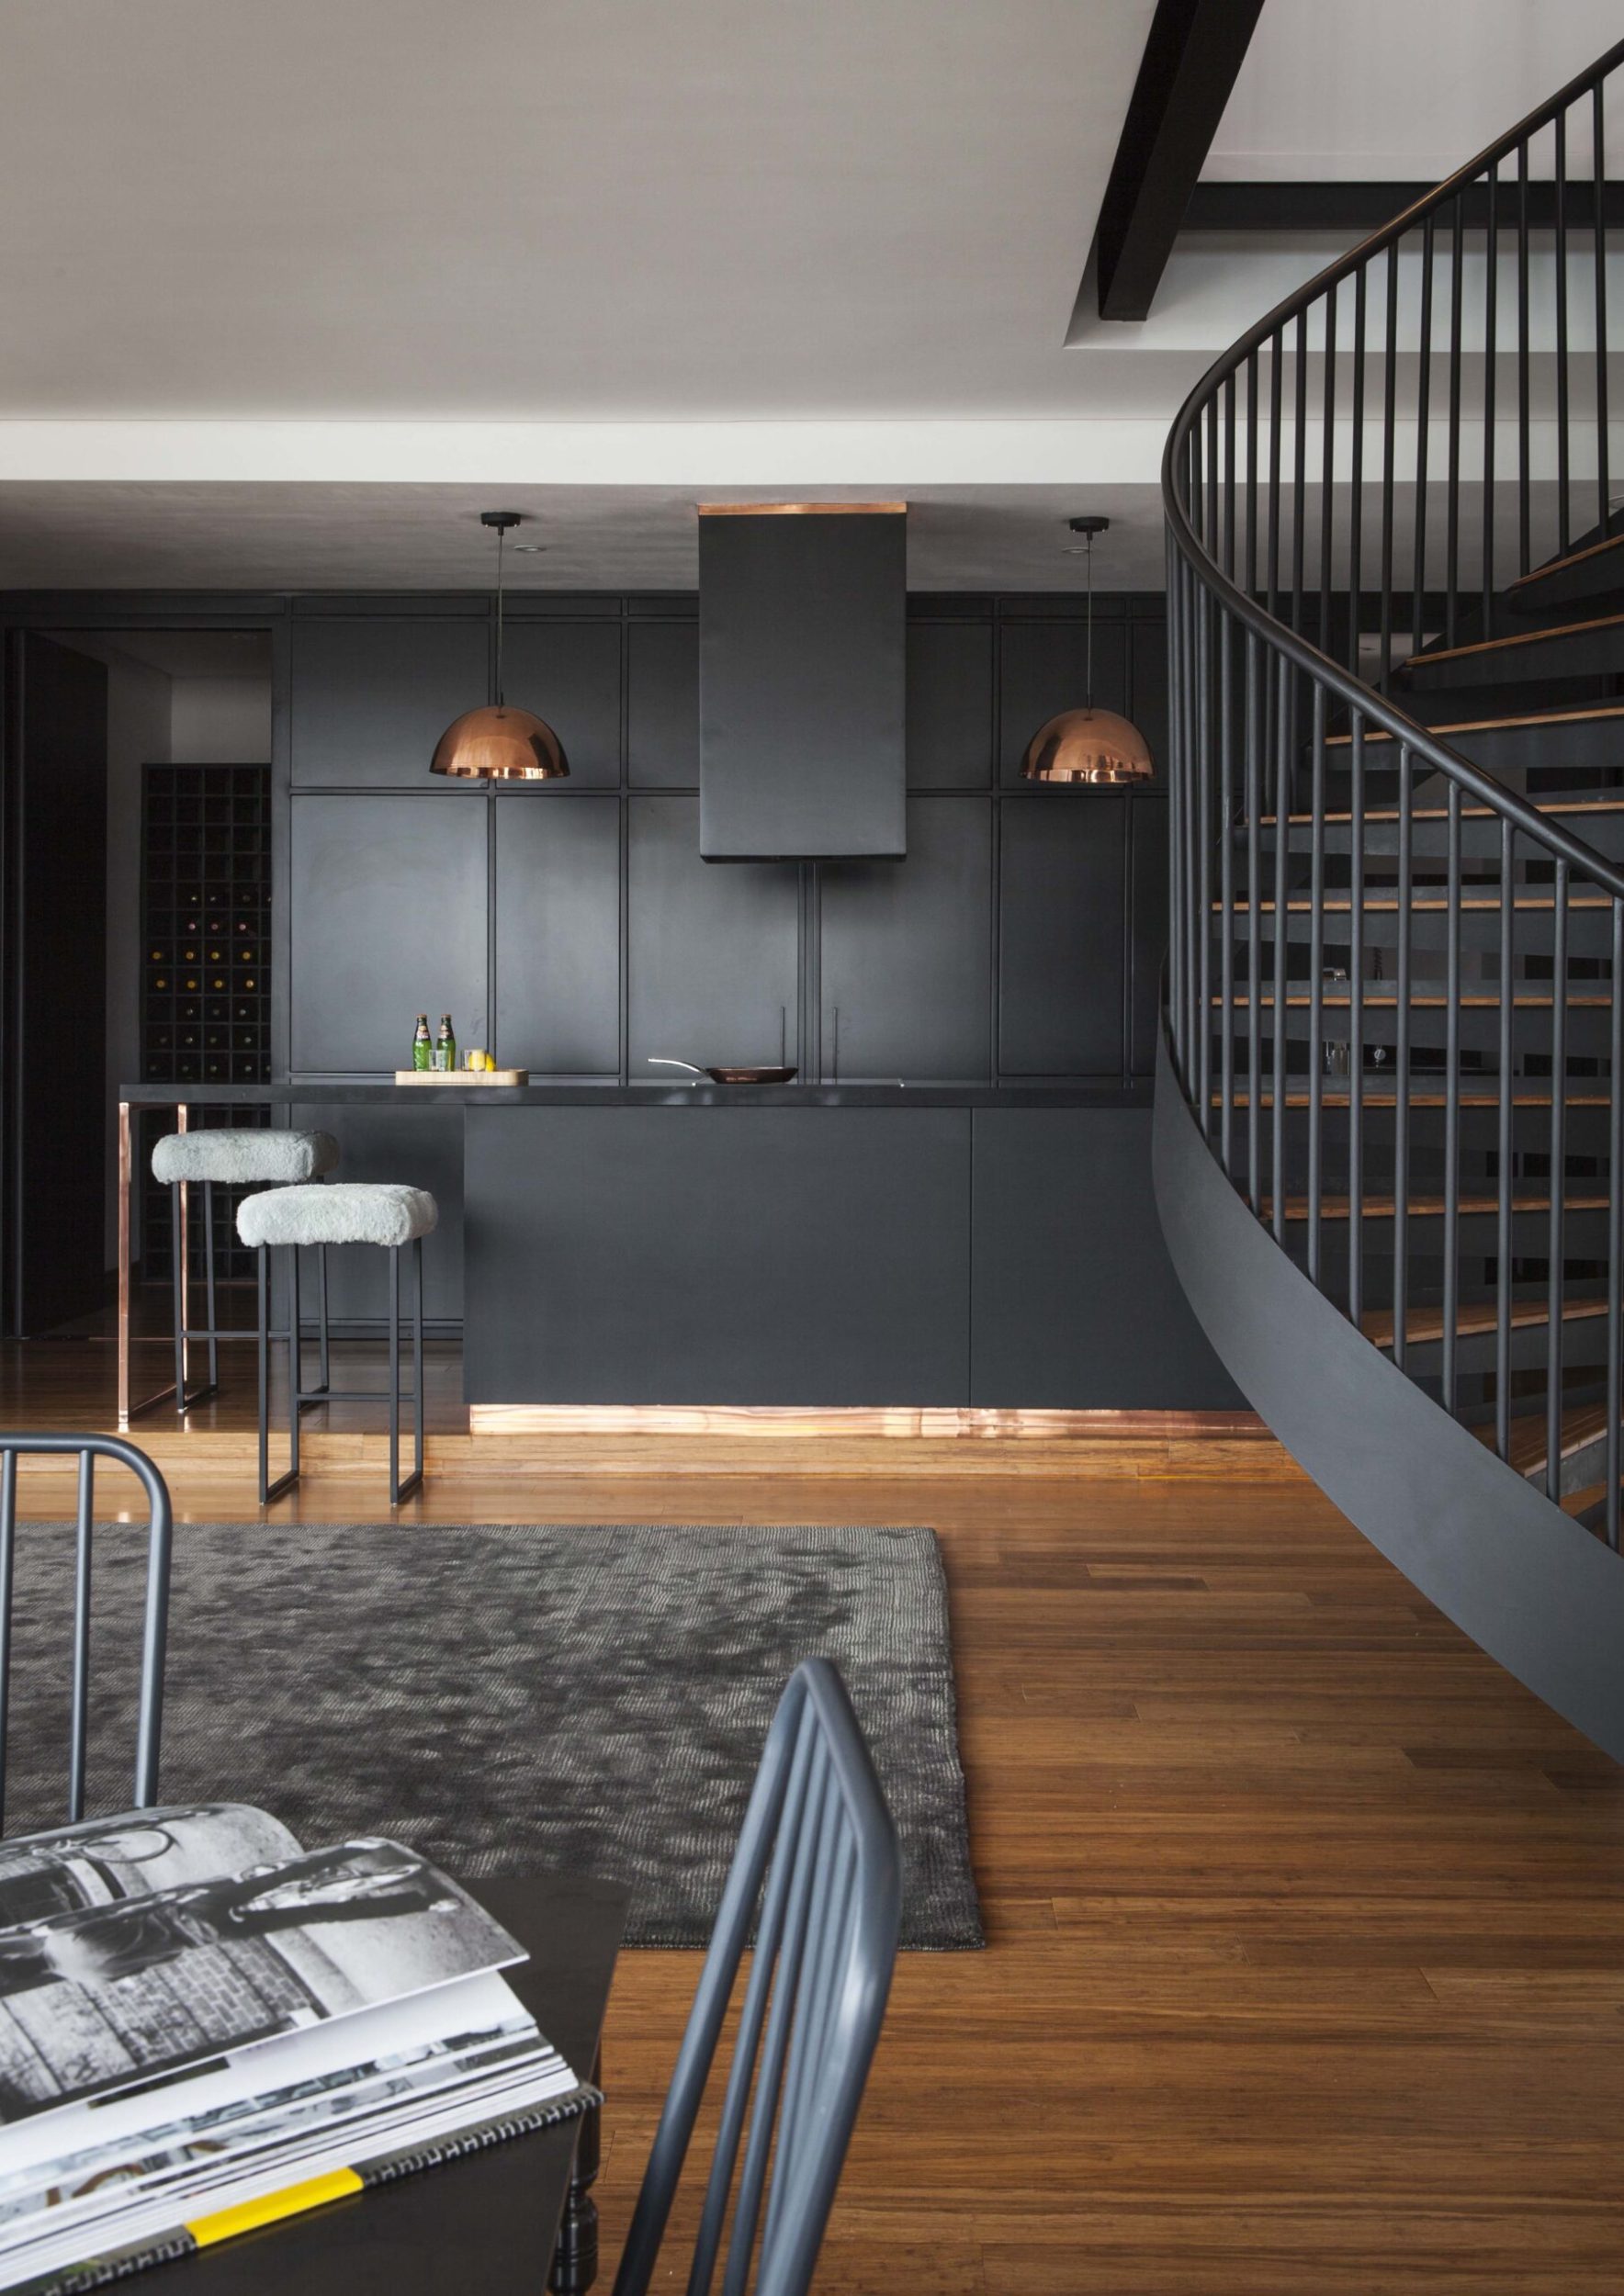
(1397, 921)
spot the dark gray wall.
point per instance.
(573, 929)
(53, 908)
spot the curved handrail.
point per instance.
(1431, 202)
(1480, 954)
(1438, 754)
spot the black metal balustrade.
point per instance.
(1397, 915)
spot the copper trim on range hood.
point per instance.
(802, 509)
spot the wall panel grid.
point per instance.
(1021, 939)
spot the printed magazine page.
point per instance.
(133, 1854)
(423, 2069)
(119, 1990)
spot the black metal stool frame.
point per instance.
(301, 1398)
(187, 1399)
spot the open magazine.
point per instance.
(204, 2027)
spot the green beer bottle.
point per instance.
(421, 1055)
(446, 1043)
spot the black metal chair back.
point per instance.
(819, 1838)
(155, 1624)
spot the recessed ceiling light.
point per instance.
(529, 549)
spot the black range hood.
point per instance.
(802, 630)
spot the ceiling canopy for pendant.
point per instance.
(496, 742)
(1089, 744)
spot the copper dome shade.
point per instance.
(1088, 745)
(499, 744)
(496, 743)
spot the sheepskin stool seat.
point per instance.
(382, 1213)
(226, 1158)
(244, 1159)
(350, 1212)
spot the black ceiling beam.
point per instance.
(1364, 207)
(1191, 57)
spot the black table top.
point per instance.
(374, 1092)
(486, 2223)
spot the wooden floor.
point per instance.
(1306, 1962)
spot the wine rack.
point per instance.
(205, 1004)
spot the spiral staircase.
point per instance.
(1390, 1107)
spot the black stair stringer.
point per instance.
(1535, 1590)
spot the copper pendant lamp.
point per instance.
(496, 743)
(1089, 744)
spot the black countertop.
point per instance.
(373, 1092)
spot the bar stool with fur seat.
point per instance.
(375, 1212)
(229, 1159)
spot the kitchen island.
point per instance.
(836, 1246)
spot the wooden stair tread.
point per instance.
(1383, 814)
(1424, 1324)
(1383, 1000)
(1579, 1503)
(1489, 725)
(1339, 1097)
(1335, 904)
(1337, 1207)
(1526, 1451)
(1573, 557)
(1508, 643)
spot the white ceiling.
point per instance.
(562, 210)
(291, 291)
(1403, 90)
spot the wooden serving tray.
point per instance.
(462, 1075)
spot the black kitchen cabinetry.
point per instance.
(814, 1257)
(371, 697)
(712, 956)
(662, 713)
(1064, 950)
(824, 1256)
(1023, 937)
(569, 673)
(558, 935)
(386, 919)
(949, 686)
(906, 978)
(1148, 842)
(1075, 1304)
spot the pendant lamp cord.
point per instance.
(501, 540)
(1089, 681)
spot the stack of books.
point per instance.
(204, 2027)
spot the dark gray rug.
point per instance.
(510, 1697)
